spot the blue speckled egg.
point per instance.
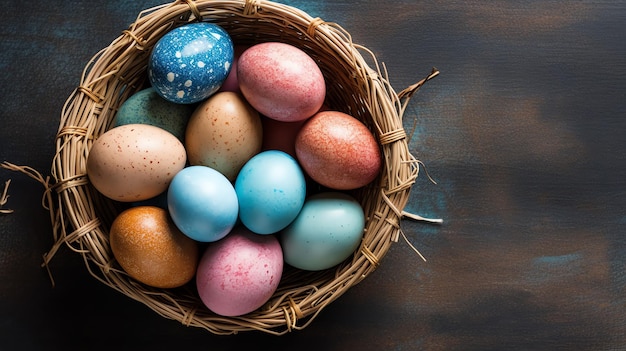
(148, 107)
(190, 63)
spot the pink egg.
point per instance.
(281, 81)
(338, 151)
(239, 273)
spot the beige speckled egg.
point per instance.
(150, 248)
(134, 162)
(223, 133)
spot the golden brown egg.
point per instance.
(151, 249)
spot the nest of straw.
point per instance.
(356, 84)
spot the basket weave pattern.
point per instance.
(81, 216)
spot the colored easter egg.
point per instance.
(134, 162)
(148, 107)
(239, 273)
(338, 151)
(271, 189)
(327, 230)
(151, 249)
(223, 133)
(281, 81)
(202, 203)
(191, 62)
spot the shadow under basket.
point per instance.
(81, 216)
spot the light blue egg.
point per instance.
(271, 189)
(202, 203)
(190, 63)
(148, 107)
(328, 229)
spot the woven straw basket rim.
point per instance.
(81, 216)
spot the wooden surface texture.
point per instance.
(524, 132)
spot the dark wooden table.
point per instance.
(524, 132)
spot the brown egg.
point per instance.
(151, 249)
(338, 151)
(223, 133)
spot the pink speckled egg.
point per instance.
(338, 151)
(281, 81)
(134, 162)
(239, 273)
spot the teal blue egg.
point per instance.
(271, 189)
(328, 229)
(148, 107)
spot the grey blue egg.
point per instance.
(327, 231)
(191, 62)
(148, 107)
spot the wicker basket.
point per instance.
(81, 216)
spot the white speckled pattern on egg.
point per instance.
(190, 63)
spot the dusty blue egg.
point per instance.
(148, 107)
(271, 190)
(327, 231)
(190, 63)
(202, 203)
